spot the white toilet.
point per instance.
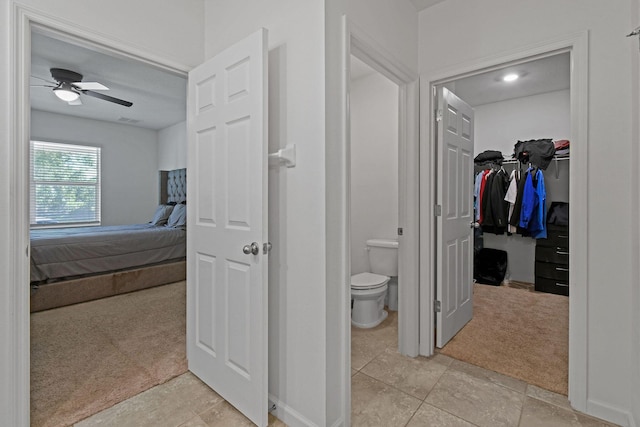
(368, 290)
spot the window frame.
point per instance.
(97, 185)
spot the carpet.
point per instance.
(90, 356)
(518, 333)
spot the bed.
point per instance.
(77, 264)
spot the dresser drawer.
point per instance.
(552, 286)
(548, 270)
(553, 254)
(556, 237)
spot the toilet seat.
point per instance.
(364, 281)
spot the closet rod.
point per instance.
(556, 159)
(513, 161)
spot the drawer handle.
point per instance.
(562, 253)
(562, 236)
(564, 285)
(561, 269)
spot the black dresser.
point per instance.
(552, 261)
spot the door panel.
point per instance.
(227, 169)
(455, 194)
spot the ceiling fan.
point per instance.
(68, 86)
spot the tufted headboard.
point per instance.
(173, 186)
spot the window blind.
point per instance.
(65, 184)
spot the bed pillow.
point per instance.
(162, 215)
(178, 217)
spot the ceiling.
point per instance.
(536, 77)
(159, 97)
(423, 4)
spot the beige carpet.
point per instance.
(90, 356)
(518, 333)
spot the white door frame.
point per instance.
(577, 45)
(23, 20)
(365, 48)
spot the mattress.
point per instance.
(60, 253)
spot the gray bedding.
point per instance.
(67, 252)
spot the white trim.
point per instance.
(23, 19)
(290, 416)
(612, 414)
(369, 51)
(577, 44)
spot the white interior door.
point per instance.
(227, 217)
(455, 233)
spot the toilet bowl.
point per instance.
(368, 291)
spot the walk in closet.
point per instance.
(534, 106)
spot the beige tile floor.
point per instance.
(388, 390)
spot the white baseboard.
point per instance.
(609, 413)
(288, 415)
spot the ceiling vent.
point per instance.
(128, 120)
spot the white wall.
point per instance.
(498, 126)
(142, 24)
(374, 164)
(172, 147)
(449, 37)
(635, 113)
(297, 364)
(129, 162)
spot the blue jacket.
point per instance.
(534, 199)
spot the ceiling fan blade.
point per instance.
(107, 98)
(76, 102)
(90, 86)
(42, 86)
(44, 80)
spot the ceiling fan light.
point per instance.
(66, 92)
(66, 95)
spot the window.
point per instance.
(65, 184)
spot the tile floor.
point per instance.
(387, 390)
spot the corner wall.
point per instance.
(449, 37)
(393, 25)
(129, 154)
(374, 164)
(172, 147)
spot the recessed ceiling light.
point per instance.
(510, 77)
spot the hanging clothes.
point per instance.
(511, 197)
(494, 208)
(532, 215)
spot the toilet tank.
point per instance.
(383, 256)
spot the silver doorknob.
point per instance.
(253, 249)
(474, 224)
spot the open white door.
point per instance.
(455, 196)
(227, 225)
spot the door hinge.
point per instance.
(438, 115)
(266, 248)
(400, 231)
(434, 90)
(437, 306)
(438, 210)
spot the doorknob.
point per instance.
(474, 224)
(251, 249)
